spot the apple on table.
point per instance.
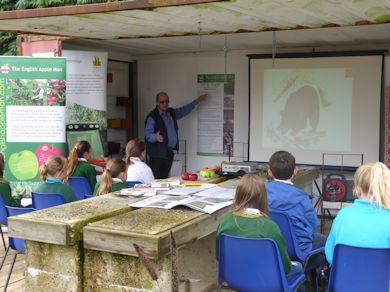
(193, 177)
(189, 176)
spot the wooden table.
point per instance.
(88, 245)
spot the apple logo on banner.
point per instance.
(45, 151)
(23, 165)
(4, 69)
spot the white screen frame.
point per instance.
(367, 116)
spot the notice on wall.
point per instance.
(32, 116)
(216, 115)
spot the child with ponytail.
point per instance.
(137, 170)
(52, 174)
(78, 165)
(113, 178)
(5, 189)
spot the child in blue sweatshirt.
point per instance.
(284, 197)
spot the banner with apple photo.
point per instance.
(32, 116)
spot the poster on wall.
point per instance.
(216, 115)
(32, 116)
(86, 93)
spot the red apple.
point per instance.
(193, 176)
(185, 176)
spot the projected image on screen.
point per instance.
(315, 105)
(307, 109)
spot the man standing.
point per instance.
(161, 133)
(37, 99)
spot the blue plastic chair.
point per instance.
(131, 184)
(3, 221)
(16, 244)
(293, 249)
(43, 201)
(252, 264)
(360, 269)
(287, 230)
(80, 187)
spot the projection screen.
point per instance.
(315, 105)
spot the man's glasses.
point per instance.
(163, 101)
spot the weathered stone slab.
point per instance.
(196, 264)
(149, 228)
(63, 224)
(53, 267)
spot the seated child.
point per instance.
(249, 218)
(366, 223)
(78, 165)
(52, 174)
(137, 170)
(5, 189)
(284, 197)
(113, 178)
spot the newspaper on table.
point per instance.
(187, 190)
(145, 190)
(202, 203)
(217, 192)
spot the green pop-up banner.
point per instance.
(32, 120)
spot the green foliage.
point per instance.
(20, 91)
(6, 5)
(8, 43)
(81, 114)
(28, 4)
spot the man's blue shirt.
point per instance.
(180, 112)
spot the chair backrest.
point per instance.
(249, 264)
(287, 230)
(131, 184)
(42, 201)
(17, 243)
(80, 187)
(3, 211)
(360, 269)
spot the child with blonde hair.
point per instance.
(113, 178)
(78, 165)
(137, 170)
(5, 189)
(366, 223)
(249, 218)
(52, 175)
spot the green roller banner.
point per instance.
(32, 116)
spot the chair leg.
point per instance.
(10, 272)
(3, 260)
(314, 278)
(2, 237)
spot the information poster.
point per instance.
(86, 90)
(32, 116)
(216, 115)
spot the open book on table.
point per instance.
(199, 203)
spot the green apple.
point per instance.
(23, 165)
(207, 172)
